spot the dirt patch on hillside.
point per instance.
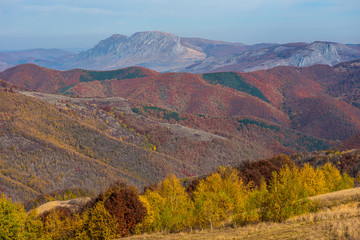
(73, 204)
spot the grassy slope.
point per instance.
(339, 219)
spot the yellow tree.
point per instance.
(312, 181)
(101, 224)
(176, 213)
(221, 196)
(15, 223)
(287, 196)
(153, 203)
(256, 201)
(332, 177)
(12, 219)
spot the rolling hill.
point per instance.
(309, 100)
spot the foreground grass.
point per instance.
(338, 219)
(339, 197)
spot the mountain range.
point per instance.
(167, 52)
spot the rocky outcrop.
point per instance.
(293, 54)
(157, 50)
(316, 53)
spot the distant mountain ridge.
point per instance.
(292, 54)
(156, 50)
(166, 52)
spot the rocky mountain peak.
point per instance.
(316, 53)
(153, 49)
(153, 43)
(104, 47)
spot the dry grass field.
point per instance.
(339, 197)
(339, 218)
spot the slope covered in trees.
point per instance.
(44, 148)
(320, 100)
(53, 143)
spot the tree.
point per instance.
(101, 224)
(256, 201)
(220, 196)
(12, 219)
(153, 203)
(123, 203)
(312, 181)
(177, 212)
(332, 177)
(256, 171)
(286, 197)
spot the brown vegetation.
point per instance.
(123, 203)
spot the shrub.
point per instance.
(135, 110)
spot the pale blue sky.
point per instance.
(82, 23)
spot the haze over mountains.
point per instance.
(165, 52)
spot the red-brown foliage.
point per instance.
(263, 169)
(123, 203)
(106, 108)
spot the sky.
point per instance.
(71, 24)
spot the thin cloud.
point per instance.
(64, 8)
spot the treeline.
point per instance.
(227, 197)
